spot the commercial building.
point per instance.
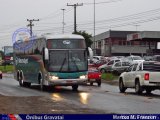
(150, 37)
(115, 43)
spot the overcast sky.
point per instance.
(130, 15)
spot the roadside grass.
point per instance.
(109, 76)
(7, 68)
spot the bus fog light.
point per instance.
(83, 77)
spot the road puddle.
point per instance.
(57, 97)
(84, 97)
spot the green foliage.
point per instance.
(7, 68)
(86, 36)
(108, 76)
(1, 54)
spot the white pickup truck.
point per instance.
(141, 76)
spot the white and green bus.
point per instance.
(52, 60)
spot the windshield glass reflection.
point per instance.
(68, 61)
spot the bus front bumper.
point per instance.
(68, 82)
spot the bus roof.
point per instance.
(64, 36)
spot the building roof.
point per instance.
(112, 33)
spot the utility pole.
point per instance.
(63, 21)
(30, 25)
(75, 21)
(94, 42)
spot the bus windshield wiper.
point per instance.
(64, 60)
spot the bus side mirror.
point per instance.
(46, 54)
(90, 53)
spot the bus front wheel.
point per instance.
(40, 79)
(20, 79)
(75, 87)
(41, 85)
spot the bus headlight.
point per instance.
(83, 77)
(53, 77)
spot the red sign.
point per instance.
(135, 36)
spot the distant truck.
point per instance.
(8, 55)
(141, 76)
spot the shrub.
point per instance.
(7, 68)
(108, 76)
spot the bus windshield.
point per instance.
(66, 44)
(67, 60)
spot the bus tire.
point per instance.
(21, 82)
(40, 79)
(41, 86)
(18, 76)
(75, 87)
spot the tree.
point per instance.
(86, 36)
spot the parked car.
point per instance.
(97, 58)
(0, 74)
(141, 76)
(118, 67)
(148, 58)
(94, 76)
(156, 58)
(133, 59)
(102, 68)
(99, 63)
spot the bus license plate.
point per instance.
(69, 81)
(92, 80)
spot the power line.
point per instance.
(117, 19)
(53, 16)
(103, 2)
(131, 23)
(112, 26)
(128, 17)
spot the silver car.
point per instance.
(103, 68)
(118, 67)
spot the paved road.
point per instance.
(106, 98)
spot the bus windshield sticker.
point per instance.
(22, 39)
